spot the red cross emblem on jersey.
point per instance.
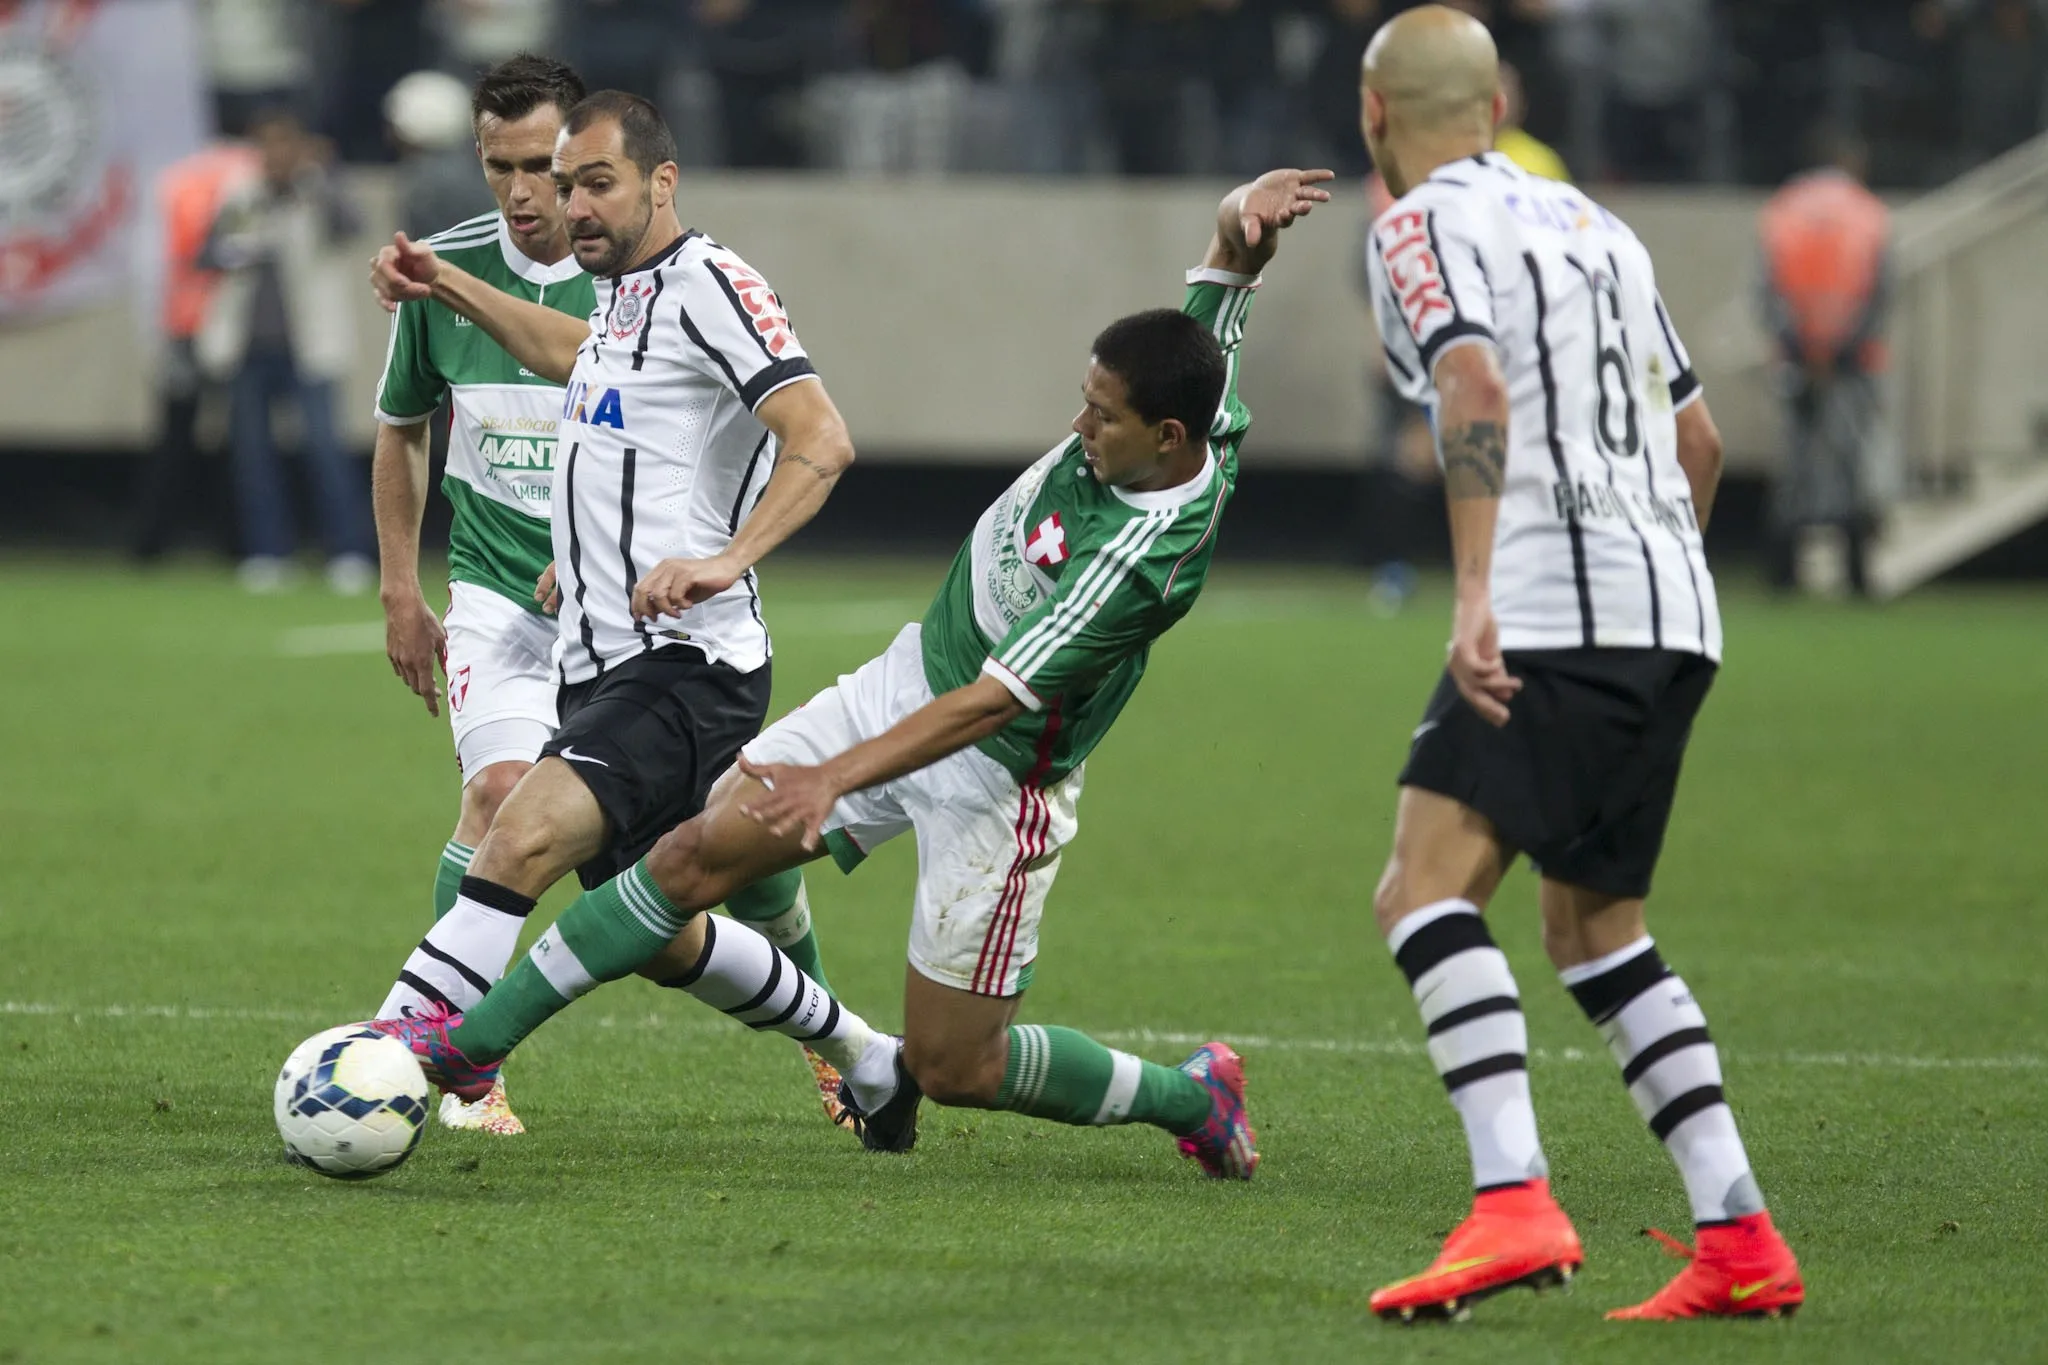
(1047, 545)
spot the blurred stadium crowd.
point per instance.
(1646, 91)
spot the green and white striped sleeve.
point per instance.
(1223, 300)
(1107, 608)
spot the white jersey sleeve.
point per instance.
(735, 328)
(1683, 383)
(1432, 288)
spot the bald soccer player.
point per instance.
(1579, 465)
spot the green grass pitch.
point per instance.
(220, 821)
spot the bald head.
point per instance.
(1431, 82)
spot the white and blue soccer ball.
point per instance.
(351, 1103)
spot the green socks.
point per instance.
(603, 935)
(780, 912)
(448, 876)
(1064, 1075)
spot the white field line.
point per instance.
(1348, 1047)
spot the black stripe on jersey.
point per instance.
(647, 323)
(1684, 551)
(732, 376)
(1406, 374)
(756, 390)
(629, 460)
(1685, 383)
(1557, 460)
(739, 505)
(732, 524)
(1460, 325)
(1450, 332)
(589, 632)
(1373, 257)
(733, 297)
(1443, 272)
(1642, 541)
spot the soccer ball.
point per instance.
(351, 1103)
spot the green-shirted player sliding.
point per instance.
(496, 645)
(972, 729)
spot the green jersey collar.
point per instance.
(530, 270)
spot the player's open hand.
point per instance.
(546, 591)
(798, 800)
(402, 271)
(675, 585)
(414, 641)
(1476, 664)
(1272, 203)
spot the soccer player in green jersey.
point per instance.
(972, 730)
(496, 644)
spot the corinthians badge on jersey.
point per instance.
(629, 307)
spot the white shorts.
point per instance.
(501, 679)
(988, 846)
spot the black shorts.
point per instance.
(1582, 776)
(648, 737)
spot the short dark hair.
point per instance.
(1170, 364)
(519, 85)
(642, 131)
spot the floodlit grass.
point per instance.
(221, 817)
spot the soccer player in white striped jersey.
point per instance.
(495, 645)
(695, 436)
(1580, 464)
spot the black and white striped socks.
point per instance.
(1477, 1036)
(1673, 1073)
(744, 975)
(463, 953)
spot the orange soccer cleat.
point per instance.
(1515, 1236)
(1742, 1269)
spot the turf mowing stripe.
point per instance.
(1391, 1047)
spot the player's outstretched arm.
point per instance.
(799, 799)
(1251, 217)
(1472, 433)
(541, 339)
(414, 640)
(813, 450)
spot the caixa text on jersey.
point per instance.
(593, 407)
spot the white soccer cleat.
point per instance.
(491, 1114)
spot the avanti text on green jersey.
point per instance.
(501, 440)
(1066, 582)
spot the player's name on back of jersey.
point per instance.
(1584, 500)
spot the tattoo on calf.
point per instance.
(1475, 460)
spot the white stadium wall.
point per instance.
(951, 318)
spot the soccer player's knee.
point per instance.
(487, 794)
(1390, 899)
(676, 863)
(521, 833)
(954, 1071)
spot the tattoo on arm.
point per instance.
(823, 474)
(1475, 460)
